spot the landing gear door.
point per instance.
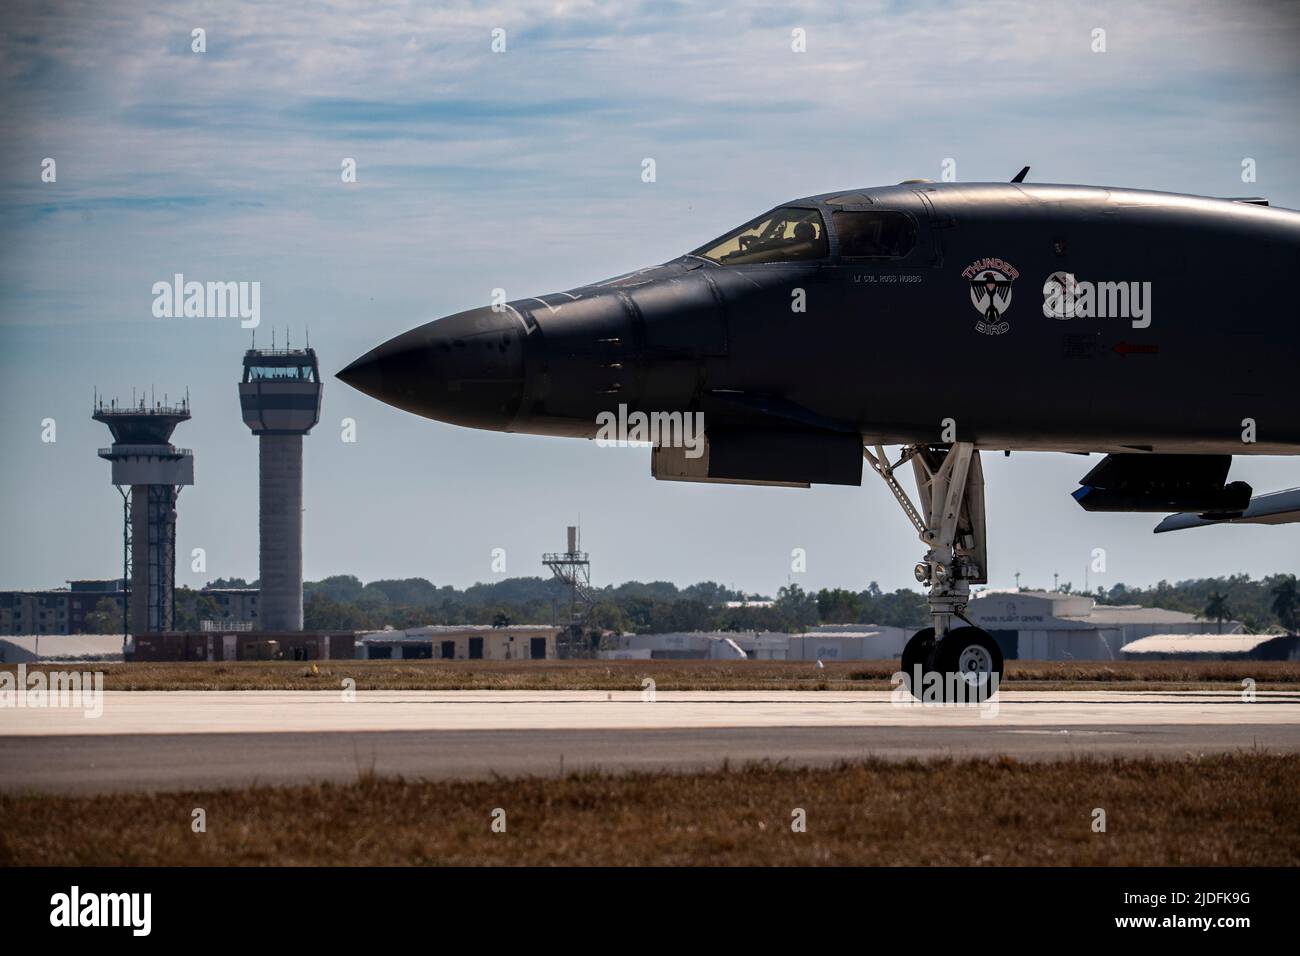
(973, 531)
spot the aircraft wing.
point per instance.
(1279, 507)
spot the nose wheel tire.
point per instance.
(969, 654)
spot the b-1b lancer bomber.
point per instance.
(1161, 330)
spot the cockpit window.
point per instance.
(784, 235)
(873, 235)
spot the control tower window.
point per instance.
(874, 235)
(791, 234)
(301, 373)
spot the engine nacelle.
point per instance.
(1163, 483)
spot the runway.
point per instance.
(148, 740)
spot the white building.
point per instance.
(714, 645)
(849, 642)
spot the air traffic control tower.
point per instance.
(149, 472)
(280, 398)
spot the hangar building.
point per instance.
(1214, 647)
(1051, 626)
(831, 642)
(1028, 625)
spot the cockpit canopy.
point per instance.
(873, 234)
(797, 233)
(789, 234)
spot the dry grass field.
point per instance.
(1234, 810)
(667, 674)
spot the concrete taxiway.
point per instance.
(148, 740)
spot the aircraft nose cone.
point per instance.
(467, 369)
(365, 374)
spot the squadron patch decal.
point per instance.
(990, 292)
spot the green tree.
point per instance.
(230, 583)
(338, 587)
(106, 618)
(798, 606)
(609, 616)
(1216, 609)
(373, 597)
(1286, 601)
(902, 608)
(638, 611)
(711, 593)
(838, 606)
(668, 617)
(345, 603)
(417, 592)
(321, 613)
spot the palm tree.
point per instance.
(1286, 601)
(1217, 609)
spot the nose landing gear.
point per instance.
(946, 662)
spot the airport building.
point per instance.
(30, 648)
(64, 610)
(58, 610)
(1028, 625)
(237, 608)
(849, 642)
(461, 642)
(1214, 647)
(830, 642)
(242, 645)
(1052, 626)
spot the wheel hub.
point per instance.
(974, 663)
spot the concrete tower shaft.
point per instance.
(280, 398)
(280, 532)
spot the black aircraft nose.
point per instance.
(467, 369)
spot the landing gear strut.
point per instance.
(950, 522)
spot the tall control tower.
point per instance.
(149, 471)
(280, 398)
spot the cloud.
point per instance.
(244, 143)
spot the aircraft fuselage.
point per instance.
(896, 347)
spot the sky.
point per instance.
(521, 170)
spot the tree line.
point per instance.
(343, 602)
